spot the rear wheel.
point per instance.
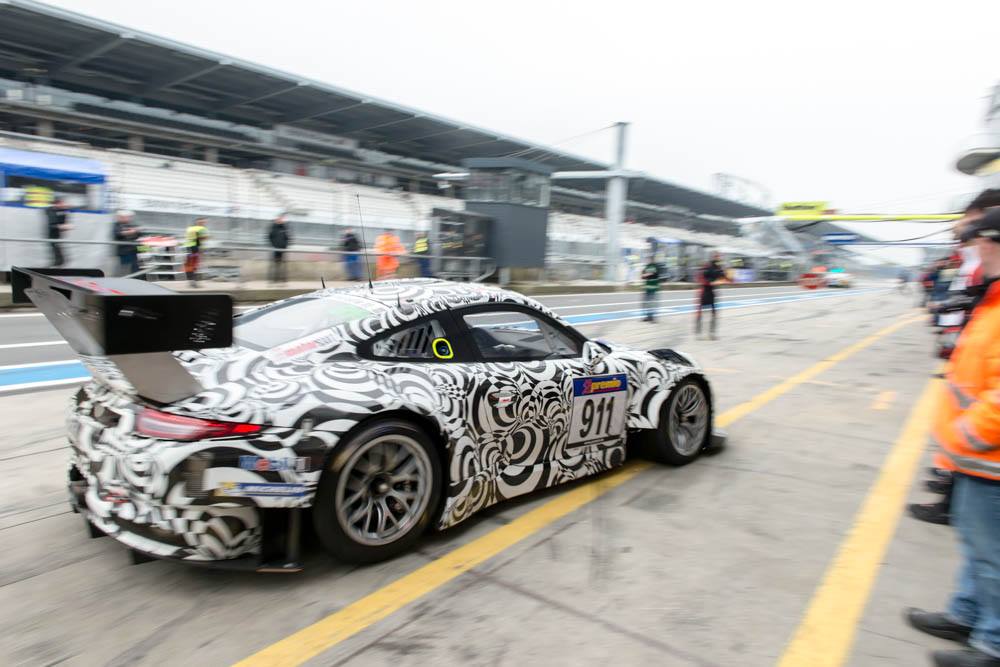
(685, 425)
(378, 493)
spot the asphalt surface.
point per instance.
(711, 564)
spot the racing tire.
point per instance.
(378, 493)
(685, 427)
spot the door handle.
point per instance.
(502, 398)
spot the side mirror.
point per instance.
(593, 353)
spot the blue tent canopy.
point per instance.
(50, 167)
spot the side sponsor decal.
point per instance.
(267, 464)
(598, 408)
(247, 489)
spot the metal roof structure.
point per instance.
(49, 45)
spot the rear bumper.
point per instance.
(219, 536)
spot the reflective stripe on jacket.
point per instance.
(967, 423)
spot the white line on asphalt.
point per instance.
(45, 343)
(36, 365)
(41, 385)
(638, 302)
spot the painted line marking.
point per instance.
(326, 633)
(825, 636)
(44, 343)
(10, 388)
(883, 400)
(40, 364)
(578, 320)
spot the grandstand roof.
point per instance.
(47, 44)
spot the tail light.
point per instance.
(156, 424)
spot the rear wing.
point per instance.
(109, 316)
(134, 322)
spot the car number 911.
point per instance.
(598, 408)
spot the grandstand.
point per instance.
(184, 131)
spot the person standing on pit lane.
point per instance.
(651, 276)
(712, 275)
(194, 238)
(57, 223)
(967, 427)
(968, 285)
(280, 237)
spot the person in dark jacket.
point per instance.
(125, 231)
(57, 223)
(351, 245)
(711, 275)
(280, 237)
(651, 276)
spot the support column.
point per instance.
(136, 143)
(44, 128)
(614, 207)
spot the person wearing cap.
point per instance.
(126, 233)
(967, 428)
(963, 290)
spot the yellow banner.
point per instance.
(796, 209)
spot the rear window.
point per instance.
(290, 320)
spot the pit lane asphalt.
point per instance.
(712, 564)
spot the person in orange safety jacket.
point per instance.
(387, 246)
(967, 428)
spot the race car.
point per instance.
(385, 410)
(837, 277)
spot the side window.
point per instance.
(415, 342)
(515, 335)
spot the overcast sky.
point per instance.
(863, 104)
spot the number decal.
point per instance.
(598, 408)
(588, 418)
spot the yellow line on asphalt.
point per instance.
(883, 400)
(360, 614)
(826, 633)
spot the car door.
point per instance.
(537, 393)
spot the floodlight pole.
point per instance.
(614, 205)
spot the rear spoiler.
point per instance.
(134, 321)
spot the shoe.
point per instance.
(938, 485)
(937, 624)
(969, 657)
(931, 513)
(939, 473)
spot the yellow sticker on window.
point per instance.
(442, 348)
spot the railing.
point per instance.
(242, 263)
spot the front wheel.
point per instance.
(378, 493)
(685, 425)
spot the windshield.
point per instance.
(287, 321)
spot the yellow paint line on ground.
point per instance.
(826, 634)
(883, 400)
(326, 633)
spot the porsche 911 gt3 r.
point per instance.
(386, 410)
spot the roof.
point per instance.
(50, 166)
(83, 54)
